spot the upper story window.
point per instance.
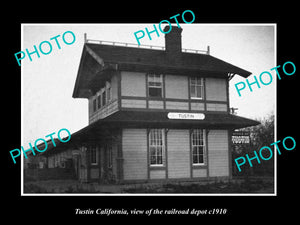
(108, 91)
(155, 85)
(196, 87)
(94, 105)
(102, 97)
(99, 101)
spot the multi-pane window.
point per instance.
(94, 155)
(102, 97)
(99, 101)
(198, 147)
(94, 105)
(156, 147)
(196, 87)
(155, 85)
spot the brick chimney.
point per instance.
(173, 43)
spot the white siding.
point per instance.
(197, 106)
(134, 142)
(216, 89)
(178, 154)
(177, 105)
(133, 84)
(199, 173)
(218, 153)
(216, 107)
(157, 174)
(176, 86)
(133, 103)
(156, 104)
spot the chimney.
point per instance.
(173, 43)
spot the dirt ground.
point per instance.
(235, 186)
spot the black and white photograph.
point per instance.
(167, 116)
(174, 112)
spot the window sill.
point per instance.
(199, 166)
(195, 98)
(157, 167)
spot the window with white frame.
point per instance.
(94, 155)
(156, 147)
(155, 85)
(198, 146)
(196, 87)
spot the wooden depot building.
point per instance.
(154, 114)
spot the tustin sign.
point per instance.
(186, 116)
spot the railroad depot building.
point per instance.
(154, 114)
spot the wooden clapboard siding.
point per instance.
(177, 105)
(216, 107)
(157, 174)
(133, 84)
(134, 146)
(178, 154)
(216, 89)
(199, 173)
(218, 153)
(133, 103)
(197, 106)
(105, 111)
(156, 104)
(176, 86)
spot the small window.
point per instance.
(196, 87)
(198, 147)
(156, 147)
(155, 85)
(108, 91)
(95, 105)
(94, 156)
(103, 98)
(99, 101)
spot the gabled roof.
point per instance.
(97, 58)
(152, 57)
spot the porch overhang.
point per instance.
(108, 127)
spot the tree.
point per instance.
(260, 135)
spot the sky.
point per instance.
(48, 81)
